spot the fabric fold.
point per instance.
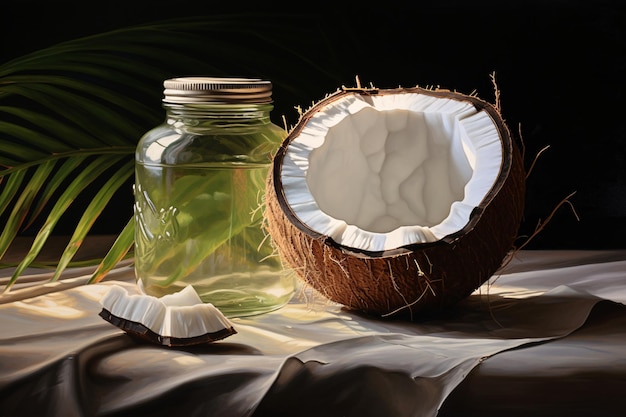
(58, 357)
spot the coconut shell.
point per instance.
(416, 280)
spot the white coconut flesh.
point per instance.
(181, 316)
(380, 172)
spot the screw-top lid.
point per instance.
(217, 90)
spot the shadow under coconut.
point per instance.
(358, 377)
(474, 309)
(492, 316)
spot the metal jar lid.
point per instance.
(217, 90)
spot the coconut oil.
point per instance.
(199, 189)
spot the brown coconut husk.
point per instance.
(419, 279)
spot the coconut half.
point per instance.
(179, 319)
(396, 201)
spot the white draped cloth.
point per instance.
(545, 336)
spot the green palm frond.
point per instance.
(71, 114)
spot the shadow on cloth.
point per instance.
(370, 368)
(315, 388)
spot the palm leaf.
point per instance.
(118, 251)
(10, 190)
(71, 114)
(67, 168)
(84, 177)
(22, 206)
(92, 211)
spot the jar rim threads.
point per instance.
(226, 90)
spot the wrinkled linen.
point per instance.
(314, 358)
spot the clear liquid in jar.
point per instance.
(202, 225)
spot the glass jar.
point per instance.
(199, 187)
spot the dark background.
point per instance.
(560, 67)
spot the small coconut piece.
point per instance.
(396, 201)
(179, 319)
